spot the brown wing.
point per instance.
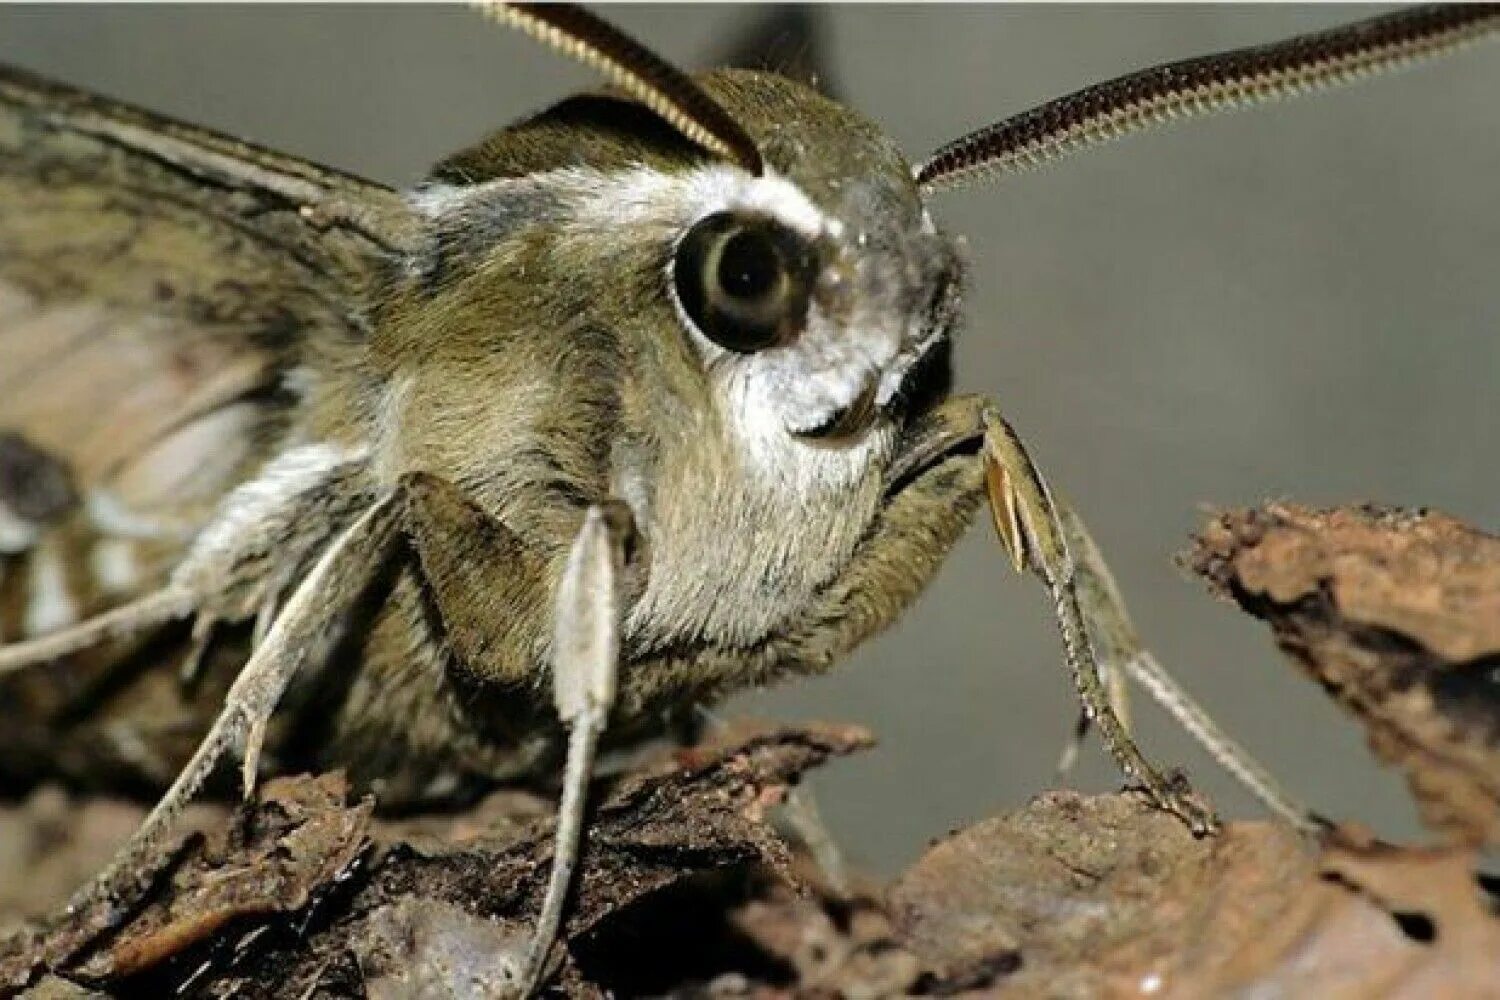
(158, 285)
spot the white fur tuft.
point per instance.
(16, 533)
(295, 472)
(114, 564)
(644, 196)
(50, 605)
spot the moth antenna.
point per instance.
(642, 74)
(156, 608)
(1206, 85)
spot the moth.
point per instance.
(641, 401)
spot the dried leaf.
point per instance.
(1372, 920)
(1104, 897)
(1035, 898)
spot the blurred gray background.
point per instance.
(1298, 302)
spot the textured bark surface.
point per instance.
(302, 893)
(687, 891)
(1397, 615)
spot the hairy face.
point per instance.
(807, 296)
(771, 334)
(807, 320)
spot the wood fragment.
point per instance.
(1396, 613)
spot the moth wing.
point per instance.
(158, 285)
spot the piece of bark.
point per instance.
(1073, 896)
(1397, 615)
(1036, 899)
(291, 901)
(1372, 920)
(652, 832)
(1085, 897)
(302, 837)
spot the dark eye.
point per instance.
(744, 282)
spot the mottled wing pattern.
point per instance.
(159, 286)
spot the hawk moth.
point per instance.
(307, 393)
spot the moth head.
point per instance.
(811, 291)
(795, 298)
(646, 275)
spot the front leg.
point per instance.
(1034, 530)
(491, 590)
(505, 622)
(585, 676)
(950, 460)
(343, 570)
(1128, 658)
(495, 592)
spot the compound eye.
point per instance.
(744, 281)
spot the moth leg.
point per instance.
(585, 668)
(491, 593)
(156, 608)
(1122, 649)
(925, 518)
(1114, 633)
(1031, 526)
(489, 587)
(802, 815)
(335, 581)
(799, 812)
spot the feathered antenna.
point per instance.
(637, 70)
(1206, 85)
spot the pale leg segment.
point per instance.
(156, 608)
(335, 582)
(585, 669)
(1125, 655)
(801, 814)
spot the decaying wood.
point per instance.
(303, 893)
(1088, 897)
(687, 891)
(1395, 613)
